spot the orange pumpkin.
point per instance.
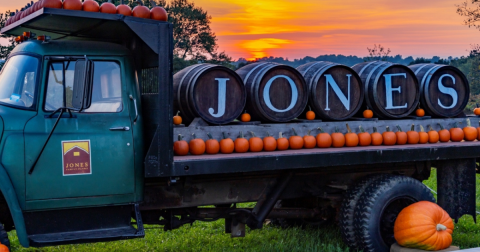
(3, 248)
(412, 136)
(389, 138)
(226, 144)
(324, 140)
(443, 134)
(295, 141)
(91, 6)
(364, 138)
(433, 135)
(456, 134)
(478, 131)
(245, 117)
(424, 225)
(420, 112)
(124, 9)
(255, 143)
(141, 11)
(282, 142)
(180, 147)
(310, 114)
(476, 111)
(377, 138)
(212, 146)
(177, 120)
(470, 132)
(309, 141)
(108, 8)
(158, 13)
(57, 4)
(351, 139)
(423, 136)
(367, 113)
(269, 143)
(196, 146)
(338, 139)
(241, 144)
(72, 5)
(401, 136)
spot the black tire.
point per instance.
(4, 237)
(347, 209)
(379, 207)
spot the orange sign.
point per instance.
(76, 157)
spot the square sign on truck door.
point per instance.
(76, 157)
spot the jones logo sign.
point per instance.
(76, 157)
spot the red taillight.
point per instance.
(19, 39)
(43, 38)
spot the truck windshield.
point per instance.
(17, 81)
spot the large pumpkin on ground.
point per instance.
(424, 225)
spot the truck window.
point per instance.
(106, 93)
(18, 80)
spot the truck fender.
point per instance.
(8, 191)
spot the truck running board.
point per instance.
(117, 227)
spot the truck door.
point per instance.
(91, 152)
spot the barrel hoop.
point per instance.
(420, 69)
(367, 80)
(251, 71)
(180, 87)
(254, 88)
(189, 91)
(365, 67)
(312, 65)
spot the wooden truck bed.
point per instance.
(330, 158)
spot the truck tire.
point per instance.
(4, 237)
(347, 209)
(379, 206)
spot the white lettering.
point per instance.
(448, 91)
(266, 93)
(222, 97)
(345, 101)
(389, 90)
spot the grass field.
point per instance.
(210, 236)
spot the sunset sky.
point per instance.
(294, 29)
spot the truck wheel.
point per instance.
(379, 206)
(347, 209)
(4, 237)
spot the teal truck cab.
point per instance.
(86, 145)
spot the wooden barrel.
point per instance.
(444, 90)
(275, 92)
(391, 90)
(214, 93)
(335, 92)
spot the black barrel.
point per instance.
(444, 90)
(214, 93)
(391, 90)
(275, 92)
(335, 91)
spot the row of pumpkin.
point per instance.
(198, 146)
(156, 13)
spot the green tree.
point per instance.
(5, 50)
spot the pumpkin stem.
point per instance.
(180, 137)
(413, 127)
(280, 135)
(388, 129)
(321, 130)
(455, 125)
(361, 129)
(209, 136)
(241, 134)
(224, 135)
(348, 128)
(441, 126)
(178, 112)
(422, 129)
(336, 129)
(309, 108)
(194, 137)
(468, 122)
(399, 129)
(308, 134)
(441, 227)
(253, 134)
(268, 134)
(375, 130)
(294, 132)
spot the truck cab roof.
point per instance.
(71, 48)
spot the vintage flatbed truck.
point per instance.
(87, 135)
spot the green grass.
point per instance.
(210, 236)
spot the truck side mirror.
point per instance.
(82, 85)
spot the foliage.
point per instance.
(378, 52)
(470, 12)
(7, 49)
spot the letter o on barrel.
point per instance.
(275, 92)
(214, 93)
(444, 90)
(335, 92)
(391, 90)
